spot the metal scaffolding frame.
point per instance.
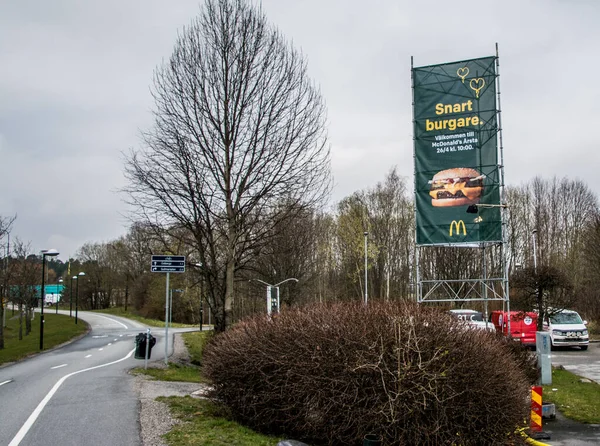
(484, 288)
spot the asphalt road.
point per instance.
(564, 432)
(80, 393)
(582, 363)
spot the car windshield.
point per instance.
(566, 318)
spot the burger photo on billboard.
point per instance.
(458, 186)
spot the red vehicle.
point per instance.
(523, 325)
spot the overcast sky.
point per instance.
(75, 77)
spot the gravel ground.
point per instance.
(155, 419)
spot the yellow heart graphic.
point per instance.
(476, 85)
(462, 73)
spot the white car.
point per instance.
(567, 330)
(474, 318)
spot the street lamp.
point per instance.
(71, 297)
(366, 265)
(60, 280)
(269, 287)
(49, 253)
(81, 274)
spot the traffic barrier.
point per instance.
(536, 409)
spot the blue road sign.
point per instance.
(168, 264)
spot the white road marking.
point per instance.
(120, 336)
(100, 349)
(100, 336)
(58, 366)
(36, 413)
(110, 343)
(6, 382)
(114, 340)
(88, 356)
(110, 319)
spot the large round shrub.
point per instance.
(329, 374)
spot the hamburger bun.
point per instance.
(459, 186)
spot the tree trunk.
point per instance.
(20, 322)
(2, 310)
(28, 314)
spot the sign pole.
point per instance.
(167, 321)
(147, 348)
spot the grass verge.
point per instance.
(207, 424)
(195, 342)
(576, 400)
(57, 330)
(119, 311)
(174, 372)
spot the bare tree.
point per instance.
(546, 289)
(24, 270)
(238, 127)
(5, 225)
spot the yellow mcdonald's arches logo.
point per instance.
(456, 226)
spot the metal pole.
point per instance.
(268, 300)
(42, 304)
(505, 254)
(167, 321)
(71, 299)
(366, 272)
(147, 348)
(485, 295)
(77, 301)
(171, 307)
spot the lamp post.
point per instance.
(60, 280)
(366, 273)
(71, 297)
(269, 287)
(81, 274)
(49, 253)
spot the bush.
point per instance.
(331, 374)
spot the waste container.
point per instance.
(372, 440)
(140, 345)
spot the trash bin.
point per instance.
(372, 440)
(140, 346)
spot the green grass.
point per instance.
(174, 372)
(119, 311)
(195, 342)
(574, 399)
(57, 330)
(207, 424)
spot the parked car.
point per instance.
(474, 318)
(522, 325)
(567, 329)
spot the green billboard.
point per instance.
(456, 153)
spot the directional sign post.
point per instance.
(167, 264)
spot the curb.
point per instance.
(530, 440)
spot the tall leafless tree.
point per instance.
(5, 225)
(239, 127)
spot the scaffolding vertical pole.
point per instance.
(417, 275)
(505, 252)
